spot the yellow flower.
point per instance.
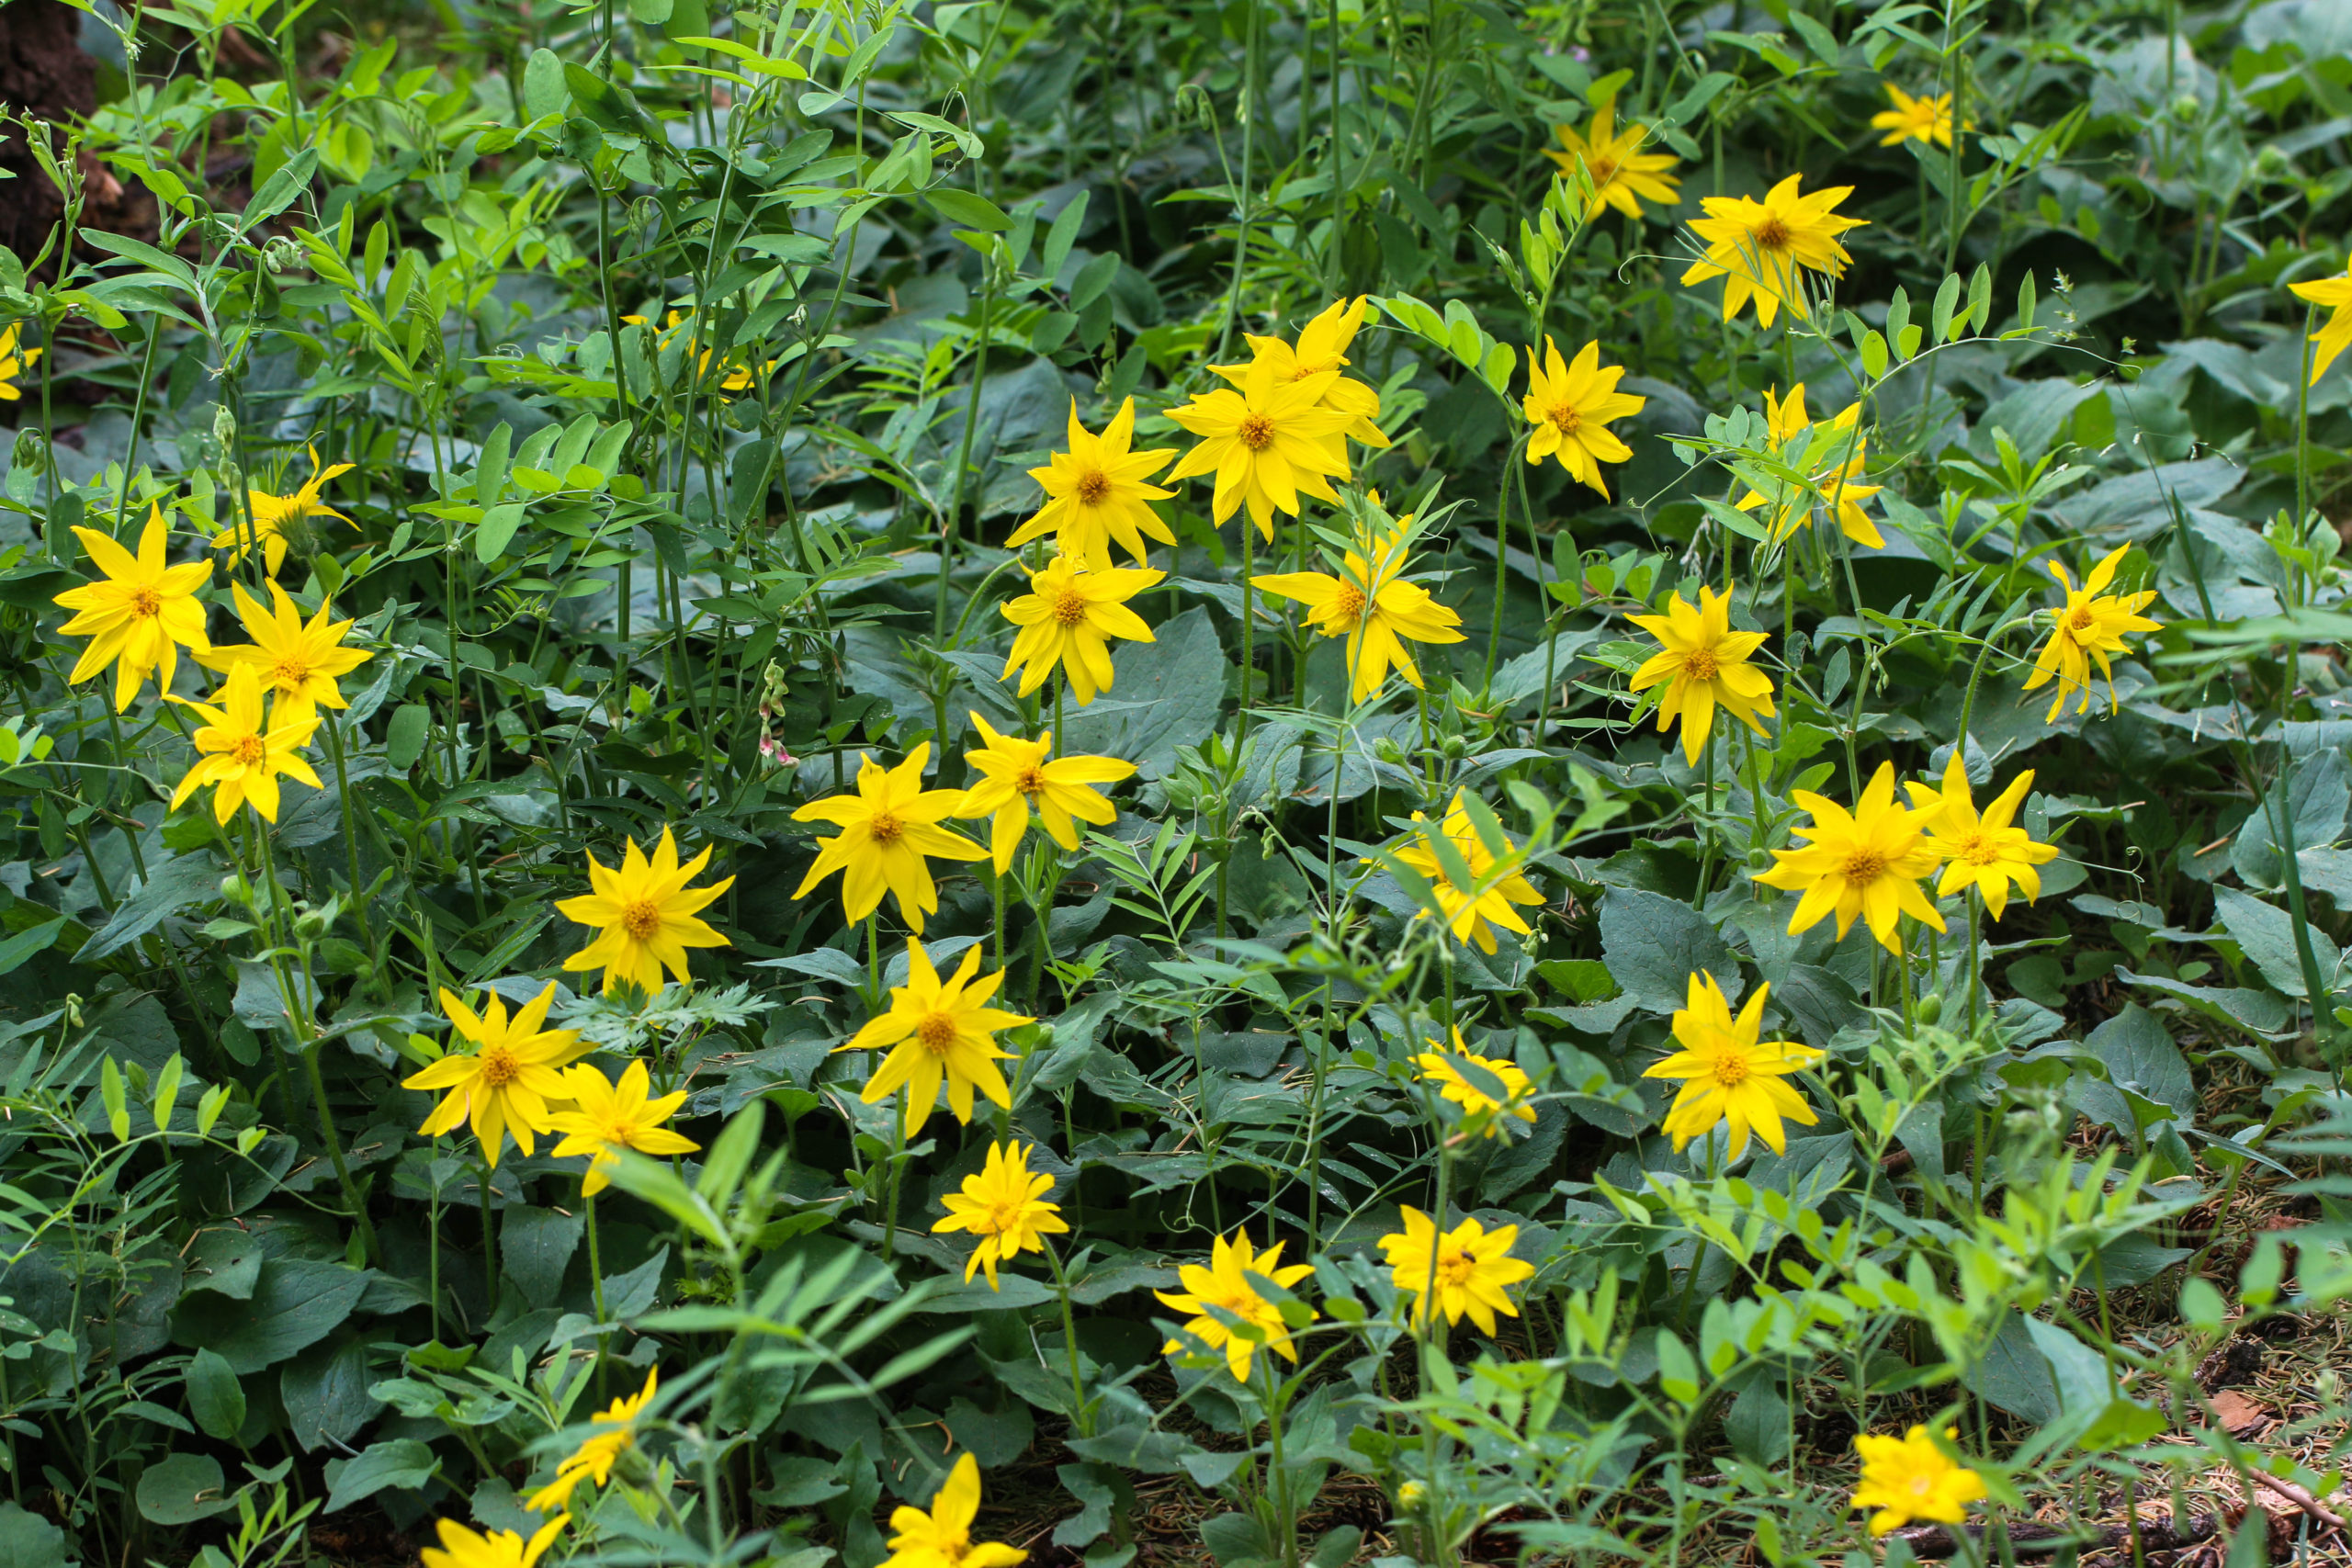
(1322, 347)
(1444, 1071)
(2084, 630)
(1064, 618)
(1704, 664)
(1729, 1074)
(504, 1083)
(1096, 495)
(1268, 441)
(886, 828)
(1471, 912)
(1836, 483)
(274, 516)
(299, 661)
(943, 1538)
(14, 361)
(1867, 864)
(1469, 1273)
(1004, 1206)
(607, 1117)
(241, 755)
(645, 915)
(139, 613)
(1912, 120)
(1372, 606)
(1984, 853)
(1224, 1284)
(2334, 296)
(1016, 775)
(1620, 170)
(615, 1434)
(1571, 406)
(939, 1032)
(737, 376)
(1759, 246)
(1909, 1478)
(463, 1548)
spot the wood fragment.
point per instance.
(2299, 1497)
(2035, 1540)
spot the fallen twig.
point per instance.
(2036, 1539)
(2299, 1497)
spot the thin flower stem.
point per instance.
(1081, 1416)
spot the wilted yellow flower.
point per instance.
(1268, 441)
(1224, 1284)
(616, 1434)
(1704, 665)
(1909, 1478)
(240, 753)
(607, 1117)
(1759, 246)
(1471, 1272)
(139, 614)
(1096, 494)
(504, 1083)
(888, 828)
(1622, 175)
(1442, 1070)
(1835, 483)
(2084, 630)
(1865, 863)
(943, 1538)
(1017, 774)
(1912, 120)
(1370, 604)
(272, 516)
(1729, 1074)
(1571, 406)
(1065, 620)
(645, 915)
(1471, 912)
(299, 661)
(1005, 1206)
(939, 1033)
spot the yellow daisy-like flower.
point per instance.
(1268, 441)
(1065, 620)
(274, 516)
(943, 1538)
(241, 754)
(1985, 852)
(139, 614)
(1758, 248)
(1834, 484)
(1096, 495)
(939, 1033)
(1912, 120)
(464, 1548)
(616, 1434)
(1622, 175)
(1224, 1284)
(1467, 1270)
(1005, 1206)
(1442, 1070)
(1471, 912)
(16, 361)
(2084, 630)
(1865, 863)
(1571, 406)
(1909, 1478)
(1730, 1075)
(1370, 604)
(607, 1117)
(1017, 775)
(645, 915)
(886, 829)
(2333, 295)
(299, 661)
(503, 1084)
(1704, 665)
(1322, 347)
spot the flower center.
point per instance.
(1979, 851)
(146, 602)
(1455, 1267)
(641, 919)
(499, 1067)
(1864, 865)
(884, 828)
(1602, 170)
(1031, 781)
(2082, 620)
(1922, 1485)
(249, 751)
(1069, 607)
(1772, 235)
(1731, 1068)
(1092, 486)
(1348, 603)
(290, 673)
(1565, 417)
(1003, 1218)
(1257, 432)
(1699, 664)
(1303, 370)
(954, 1546)
(936, 1033)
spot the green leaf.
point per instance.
(296, 1303)
(971, 210)
(403, 1462)
(1652, 944)
(534, 1245)
(181, 1489)
(544, 90)
(404, 738)
(215, 1397)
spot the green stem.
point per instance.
(1080, 1415)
